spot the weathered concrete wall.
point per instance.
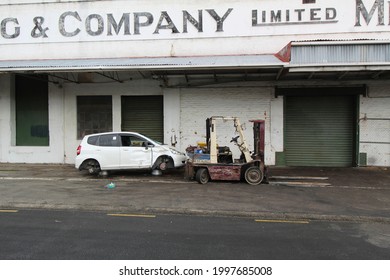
(9, 152)
(5, 116)
(375, 125)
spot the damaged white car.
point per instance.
(125, 151)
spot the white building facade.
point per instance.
(317, 71)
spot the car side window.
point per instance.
(134, 141)
(137, 142)
(126, 141)
(109, 140)
(93, 140)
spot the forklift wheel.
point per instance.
(253, 175)
(202, 176)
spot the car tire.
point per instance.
(93, 167)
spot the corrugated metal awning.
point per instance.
(338, 55)
(147, 63)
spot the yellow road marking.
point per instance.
(132, 215)
(284, 221)
(9, 211)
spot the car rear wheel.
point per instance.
(93, 167)
(202, 176)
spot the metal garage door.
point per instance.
(320, 130)
(143, 114)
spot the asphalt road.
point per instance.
(52, 235)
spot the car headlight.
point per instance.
(175, 152)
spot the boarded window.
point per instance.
(31, 109)
(94, 115)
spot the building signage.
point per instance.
(101, 20)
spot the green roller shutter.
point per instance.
(32, 110)
(143, 114)
(320, 130)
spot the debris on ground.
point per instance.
(110, 186)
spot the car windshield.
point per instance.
(157, 142)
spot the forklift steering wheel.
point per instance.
(234, 139)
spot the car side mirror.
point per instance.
(148, 145)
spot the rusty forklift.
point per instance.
(212, 162)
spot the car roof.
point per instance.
(122, 133)
(114, 132)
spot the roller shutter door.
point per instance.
(143, 114)
(320, 130)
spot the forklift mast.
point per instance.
(259, 138)
(211, 138)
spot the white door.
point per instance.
(107, 152)
(135, 152)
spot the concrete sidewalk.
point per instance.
(350, 194)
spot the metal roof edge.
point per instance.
(339, 67)
(147, 63)
(340, 42)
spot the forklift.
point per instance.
(208, 161)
